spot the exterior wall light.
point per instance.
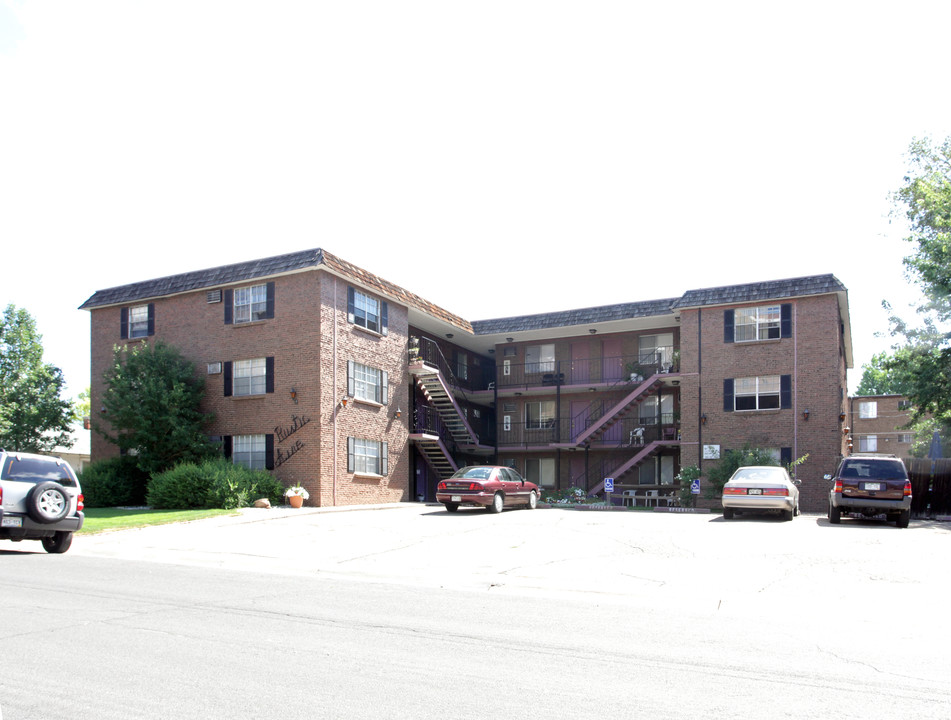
(805, 414)
(294, 395)
(703, 419)
(344, 400)
(399, 413)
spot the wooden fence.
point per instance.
(930, 486)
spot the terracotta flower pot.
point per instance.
(296, 501)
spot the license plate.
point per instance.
(11, 522)
(873, 486)
(754, 491)
(456, 498)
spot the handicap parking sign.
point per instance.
(608, 484)
(695, 487)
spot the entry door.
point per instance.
(612, 364)
(580, 411)
(580, 363)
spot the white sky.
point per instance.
(495, 157)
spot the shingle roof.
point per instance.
(754, 292)
(568, 318)
(259, 269)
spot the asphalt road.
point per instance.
(410, 612)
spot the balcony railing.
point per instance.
(627, 432)
(599, 371)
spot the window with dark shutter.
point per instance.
(785, 320)
(785, 391)
(728, 395)
(228, 378)
(728, 331)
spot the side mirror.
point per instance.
(797, 481)
(827, 476)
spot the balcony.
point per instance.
(632, 432)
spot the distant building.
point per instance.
(877, 424)
(79, 453)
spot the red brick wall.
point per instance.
(309, 306)
(814, 359)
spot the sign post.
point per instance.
(608, 489)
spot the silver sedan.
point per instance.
(761, 487)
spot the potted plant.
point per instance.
(296, 494)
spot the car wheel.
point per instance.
(452, 507)
(787, 515)
(59, 543)
(497, 503)
(532, 500)
(47, 502)
(903, 519)
(798, 511)
(835, 515)
(727, 513)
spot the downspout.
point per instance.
(334, 398)
(699, 390)
(795, 310)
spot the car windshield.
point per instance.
(759, 475)
(880, 469)
(34, 470)
(474, 473)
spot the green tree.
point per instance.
(731, 460)
(82, 405)
(925, 358)
(152, 402)
(33, 415)
(877, 379)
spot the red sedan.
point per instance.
(489, 486)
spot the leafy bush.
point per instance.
(686, 477)
(113, 482)
(212, 484)
(566, 496)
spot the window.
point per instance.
(757, 393)
(868, 443)
(462, 366)
(539, 415)
(366, 311)
(367, 383)
(757, 323)
(137, 322)
(540, 471)
(250, 451)
(657, 470)
(656, 349)
(249, 304)
(540, 358)
(250, 377)
(366, 457)
(648, 410)
(906, 438)
(752, 324)
(244, 378)
(868, 410)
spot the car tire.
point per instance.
(452, 507)
(835, 515)
(727, 513)
(903, 518)
(59, 542)
(48, 502)
(498, 502)
(788, 515)
(532, 500)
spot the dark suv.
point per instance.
(871, 485)
(39, 500)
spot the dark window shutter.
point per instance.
(227, 373)
(269, 451)
(351, 305)
(785, 391)
(728, 395)
(728, 332)
(151, 319)
(785, 455)
(229, 307)
(124, 323)
(269, 313)
(384, 460)
(785, 320)
(350, 382)
(384, 388)
(383, 320)
(350, 462)
(226, 446)
(269, 374)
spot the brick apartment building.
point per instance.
(878, 424)
(365, 393)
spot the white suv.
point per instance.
(40, 499)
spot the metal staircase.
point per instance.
(620, 411)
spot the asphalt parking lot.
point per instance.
(642, 557)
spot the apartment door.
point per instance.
(612, 364)
(580, 415)
(580, 363)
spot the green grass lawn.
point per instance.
(104, 519)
